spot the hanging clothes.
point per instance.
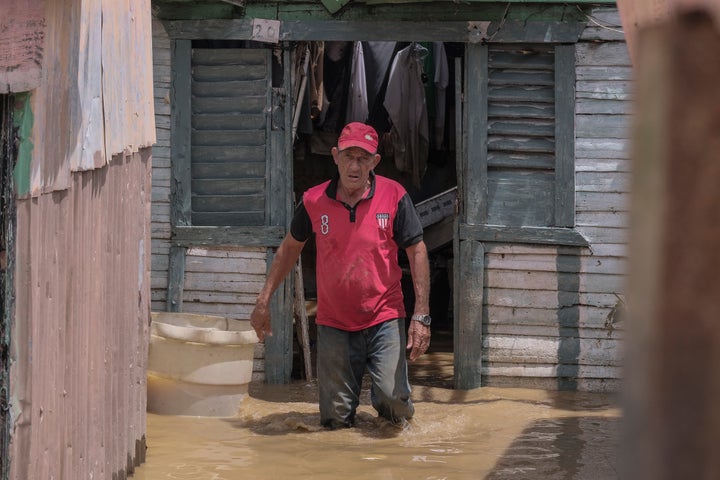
(405, 104)
(442, 77)
(316, 88)
(336, 80)
(357, 108)
(378, 59)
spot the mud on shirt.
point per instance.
(358, 276)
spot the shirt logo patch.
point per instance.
(383, 220)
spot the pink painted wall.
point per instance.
(78, 381)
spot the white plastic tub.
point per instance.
(198, 365)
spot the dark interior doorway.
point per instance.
(317, 131)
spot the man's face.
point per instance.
(354, 165)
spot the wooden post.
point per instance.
(673, 349)
(302, 326)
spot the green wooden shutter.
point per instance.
(229, 97)
(521, 135)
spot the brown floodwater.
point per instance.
(486, 433)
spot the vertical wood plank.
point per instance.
(278, 348)
(565, 135)
(176, 278)
(181, 131)
(476, 94)
(467, 330)
(180, 186)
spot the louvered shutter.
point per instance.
(521, 136)
(229, 128)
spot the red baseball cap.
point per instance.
(358, 134)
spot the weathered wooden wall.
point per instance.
(551, 312)
(552, 315)
(219, 280)
(82, 273)
(161, 167)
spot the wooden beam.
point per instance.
(193, 236)
(565, 135)
(380, 30)
(531, 235)
(467, 331)
(476, 158)
(176, 279)
(181, 132)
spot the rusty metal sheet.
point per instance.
(127, 75)
(22, 31)
(95, 99)
(114, 81)
(54, 130)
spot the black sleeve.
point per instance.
(301, 226)
(407, 228)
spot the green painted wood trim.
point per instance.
(334, 5)
(536, 10)
(565, 135)
(271, 153)
(467, 331)
(278, 347)
(460, 135)
(531, 235)
(23, 121)
(356, 30)
(181, 130)
(287, 167)
(475, 170)
(176, 279)
(440, 11)
(180, 184)
(178, 9)
(187, 236)
(548, 2)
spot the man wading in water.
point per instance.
(359, 220)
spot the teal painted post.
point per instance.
(278, 348)
(470, 253)
(565, 135)
(180, 207)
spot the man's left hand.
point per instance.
(418, 339)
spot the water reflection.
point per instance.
(485, 433)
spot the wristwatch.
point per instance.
(424, 319)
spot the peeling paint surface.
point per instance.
(95, 96)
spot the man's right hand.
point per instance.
(260, 321)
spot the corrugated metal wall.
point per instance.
(81, 326)
(82, 278)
